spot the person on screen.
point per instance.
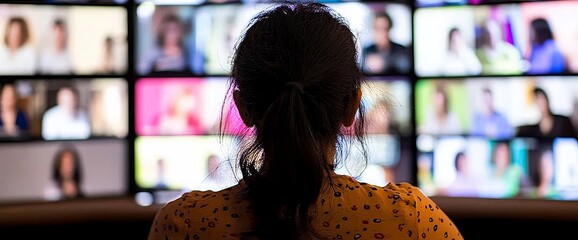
(464, 184)
(216, 174)
(17, 55)
(181, 115)
(489, 122)
(460, 59)
(505, 178)
(67, 173)
(384, 56)
(545, 56)
(66, 120)
(544, 179)
(56, 59)
(161, 169)
(13, 119)
(441, 120)
(108, 65)
(170, 54)
(495, 54)
(378, 119)
(297, 105)
(550, 124)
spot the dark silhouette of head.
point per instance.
(540, 30)
(296, 84)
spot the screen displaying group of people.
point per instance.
(516, 168)
(199, 39)
(63, 109)
(498, 108)
(62, 40)
(531, 38)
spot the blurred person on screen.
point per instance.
(66, 175)
(170, 54)
(441, 120)
(17, 54)
(378, 119)
(384, 56)
(56, 59)
(550, 124)
(545, 55)
(496, 55)
(217, 174)
(108, 64)
(505, 178)
(296, 80)
(489, 122)
(460, 59)
(13, 119)
(464, 184)
(181, 115)
(543, 180)
(66, 120)
(161, 168)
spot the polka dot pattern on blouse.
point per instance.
(348, 210)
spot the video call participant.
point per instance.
(66, 120)
(489, 122)
(56, 59)
(384, 56)
(17, 55)
(67, 174)
(13, 119)
(550, 124)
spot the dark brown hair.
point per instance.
(23, 29)
(295, 70)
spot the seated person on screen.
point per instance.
(66, 175)
(464, 184)
(181, 115)
(545, 54)
(550, 124)
(13, 120)
(544, 178)
(384, 56)
(506, 178)
(496, 55)
(489, 122)
(66, 120)
(460, 59)
(17, 54)
(441, 120)
(297, 106)
(378, 119)
(170, 54)
(56, 59)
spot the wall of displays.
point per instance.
(467, 98)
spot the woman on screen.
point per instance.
(170, 54)
(441, 120)
(297, 84)
(181, 117)
(550, 124)
(17, 55)
(13, 120)
(56, 59)
(496, 55)
(545, 55)
(67, 174)
(460, 59)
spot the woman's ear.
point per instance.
(352, 107)
(242, 108)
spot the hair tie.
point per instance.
(296, 85)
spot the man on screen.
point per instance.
(384, 56)
(66, 120)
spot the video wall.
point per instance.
(109, 97)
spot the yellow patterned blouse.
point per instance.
(349, 210)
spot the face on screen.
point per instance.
(62, 170)
(61, 110)
(529, 38)
(62, 40)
